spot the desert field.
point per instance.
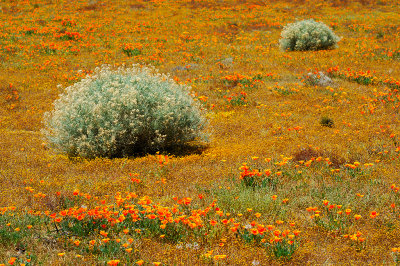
(299, 164)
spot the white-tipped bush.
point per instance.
(307, 35)
(123, 112)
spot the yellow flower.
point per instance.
(129, 250)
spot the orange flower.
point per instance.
(274, 197)
(254, 231)
(77, 242)
(187, 201)
(152, 216)
(270, 227)
(373, 214)
(213, 222)
(296, 232)
(113, 262)
(347, 211)
(257, 214)
(357, 216)
(12, 260)
(140, 262)
(353, 237)
(277, 239)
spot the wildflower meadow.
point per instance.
(199, 132)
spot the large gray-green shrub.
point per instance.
(307, 35)
(122, 112)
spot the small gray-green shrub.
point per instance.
(123, 112)
(307, 35)
(326, 122)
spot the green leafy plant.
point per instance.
(331, 217)
(307, 35)
(283, 249)
(132, 49)
(281, 244)
(256, 178)
(123, 112)
(326, 122)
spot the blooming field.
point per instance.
(294, 172)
